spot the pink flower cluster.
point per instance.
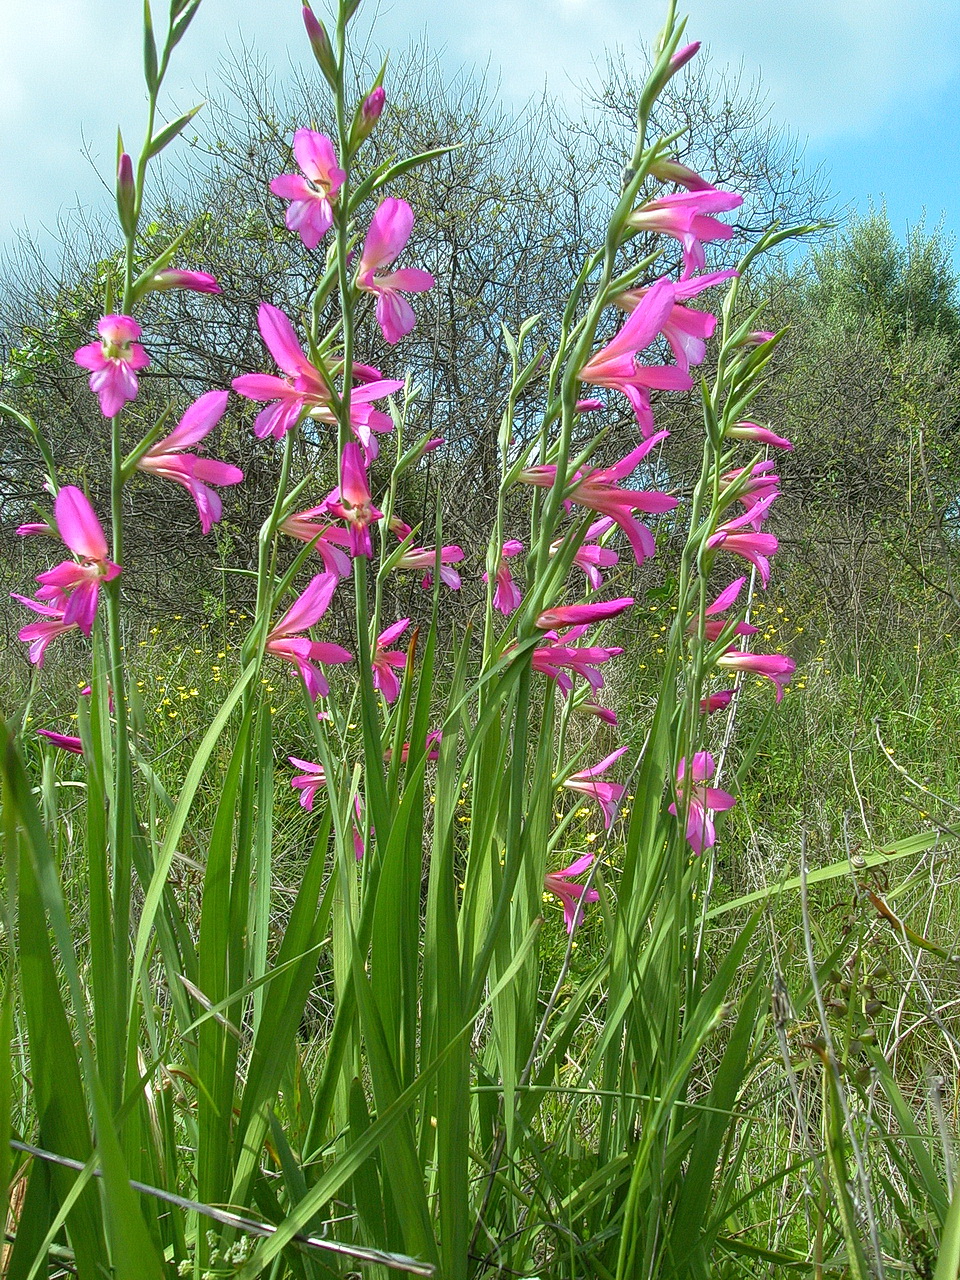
(68, 595)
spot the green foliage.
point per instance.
(867, 277)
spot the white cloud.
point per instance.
(831, 67)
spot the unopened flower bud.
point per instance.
(320, 43)
(126, 194)
(368, 113)
(759, 435)
(668, 170)
(195, 281)
(683, 56)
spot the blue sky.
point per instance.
(871, 86)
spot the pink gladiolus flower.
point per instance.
(598, 491)
(194, 473)
(607, 794)
(588, 406)
(573, 896)
(686, 217)
(39, 634)
(702, 800)
(713, 628)
(309, 782)
(686, 330)
(750, 431)
(40, 526)
(303, 390)
(194, 281)
(575, 615)
(384, 661)
(284, 642)
(388, 234)
(312, 195)
(62, 740)
(775, 666)
(553, 660)
(507, 596)
(114, 362)
(330, 543)
(590, 557)
(433, 561)
(352, 501)
(761, 484)
(753, 546)
(71, 585)
(617, 364)
(715, 701)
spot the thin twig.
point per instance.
(360, 1253)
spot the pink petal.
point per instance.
(291, 186)
(309, 607)
(198, 421)
(78, 525)
(391, 633)
(409, 279)
(316, 157)
(395, 316)
(119, 329)
(726, 597)
(389, 232)
(281, 339)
